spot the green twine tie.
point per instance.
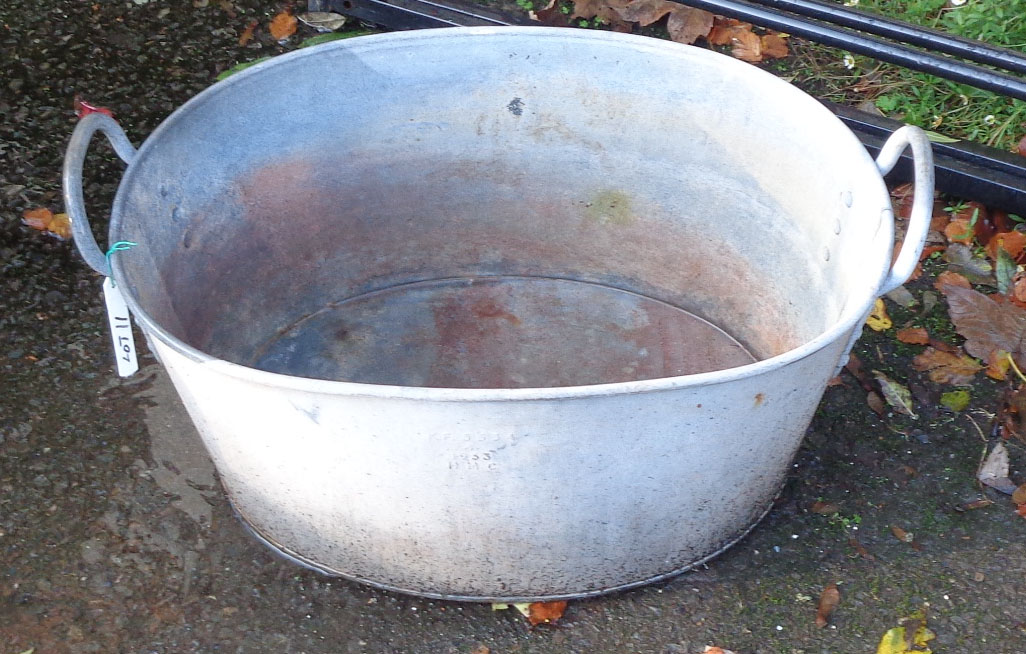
(119, 246)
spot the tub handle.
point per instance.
(922, 199)
(71, 178)
(918, 220)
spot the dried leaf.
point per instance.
(914, 335)
(975, 504)
(901, 534)
(481, 649)
(723, 30)
(1005, 269)
(976, 270)
(323, 21)
(687, 25)
(946, 368)
(60, 226)
(607, 10)
(1012, 418)
(539, 612)
(247, 34)
(959, 231)
(951, 278)
(876, 403)
(896, 641)
(896, 395)
(646, 12)
(283, 26)
(746, 46)
(824, 508)
(44, 220)
(1021, 147)
(955, 400)
(1019, 495)
(994, 470)
(1014, 243)
(774, 46)
(998, 364)
(37, 218)
(1021, 510)
(902, 297)
(860, 549)
(986, 324)
(854, 366)
(878, 319)
(712, 649)
(1019, 288)
(828, 601)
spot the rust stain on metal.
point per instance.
(491, 309)
(306, 233)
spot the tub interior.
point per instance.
(537, 212)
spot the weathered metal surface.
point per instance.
(487, 286)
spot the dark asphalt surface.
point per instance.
(116, 537)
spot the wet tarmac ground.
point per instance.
(115, 535)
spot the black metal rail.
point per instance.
(964, 169)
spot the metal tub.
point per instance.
(515, 313)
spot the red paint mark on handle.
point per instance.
(83, 108)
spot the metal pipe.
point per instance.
(971, 74)
(897, 30)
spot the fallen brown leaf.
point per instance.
(901, 534)
(687, 25)
(854, 366)
(607, 10)
(1019, 495)
(946, 368)
(952, 279)
(38, 218)
(712, 649)
(824, 508)
(481, 649)
(539, 612)
(914, 335)
(1021, 147)
(723, 29)
(860, 549)
(1019, 288)
(247, 34)
(746, 46)
(987, 324)
(998, 365)
(283, 26)
(645, 12)
(60, 226)
(774, 46)
(958, 231)
(896, 395)
(44, 220)
(828, 601)
(876, 403)
(973, 505)
(1012, 417)
(930, 249)
(1021, 510)
(1014, 243)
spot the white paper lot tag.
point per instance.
(120, 321)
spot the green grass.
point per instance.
(956, 110)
